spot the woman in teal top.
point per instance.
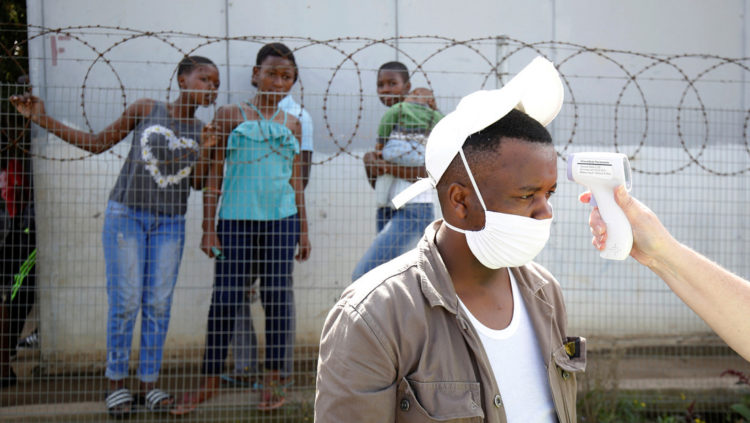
(262, 221)
(258, 168)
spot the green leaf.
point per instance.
(741, 409)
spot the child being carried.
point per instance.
(404, 130)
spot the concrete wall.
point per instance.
(337, 85)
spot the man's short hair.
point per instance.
(481, 146)
(397, 67)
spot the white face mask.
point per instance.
(507, 240)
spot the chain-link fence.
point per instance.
(68, 323)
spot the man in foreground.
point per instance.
(465, 327)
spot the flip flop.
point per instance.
(272, 397)
(119, 403)
(286, 382)
(189, 402)
(154, 401)
(244, 381)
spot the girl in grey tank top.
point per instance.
(144, 225)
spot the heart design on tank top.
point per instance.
(173, 143)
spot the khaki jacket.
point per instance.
(397, 347)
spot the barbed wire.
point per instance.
(634, 67)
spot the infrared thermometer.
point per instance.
(601, 173)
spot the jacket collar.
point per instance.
(436, 283)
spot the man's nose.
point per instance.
(543, 209)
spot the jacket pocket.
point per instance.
(438, 402)
(567, 361)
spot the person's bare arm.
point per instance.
(224, 121)
(373, 161)
(209, 140)
(718, 296)
(32, 107)
(306, 161)
(376, 166)
(410, 173)
(298, 183)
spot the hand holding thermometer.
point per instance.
(601, 173)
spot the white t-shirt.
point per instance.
(517, 364)
(290, 106)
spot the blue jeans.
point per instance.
(383, 215)
(398, 231)
(142, 251)
(245, 343)
(253, 248)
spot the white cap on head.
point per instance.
(537, 90)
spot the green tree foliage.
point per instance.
(14, 63)
(13, 42)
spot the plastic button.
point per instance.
(498, 401)
(404, 404)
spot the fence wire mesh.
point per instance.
(70, 309)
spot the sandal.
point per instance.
(191, 400)
(188, 403)
(287, 382)
(273, 396)
(119, 403)
(244, 381)
(156, 401)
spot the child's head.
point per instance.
(393, 83)
(198, 78)
(422, 95)
(275, 69)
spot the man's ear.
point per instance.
(457, 200)
(407, 88)
(181, 82)
(461, 207)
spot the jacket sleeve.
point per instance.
(356, 372)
